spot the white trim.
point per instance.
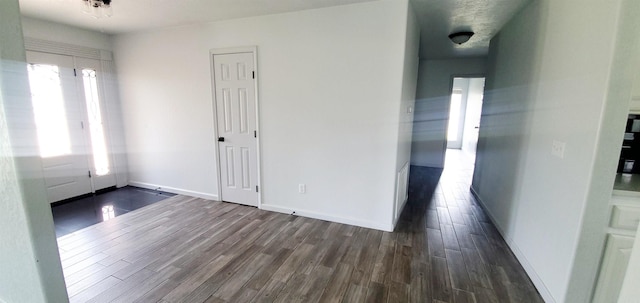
(395, 220)
(533, 275)
(234, 50)
(326, 217)
(402, 192)
(174, 190)
(429, 164)
(54, 47)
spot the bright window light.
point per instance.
(49, 110)
(454, 116)
(96, 128)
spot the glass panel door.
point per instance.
(59, 120)
(90, 81)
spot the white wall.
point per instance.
(330, 83)
(409, 84)
(30, 269)
(407, 105)
(554, 74)
(45, 30)
(433, 97)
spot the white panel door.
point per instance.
(236, 123)
(59, 116)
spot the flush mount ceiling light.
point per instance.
(97, 8)
(460, 37)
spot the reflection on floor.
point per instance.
(78, 214)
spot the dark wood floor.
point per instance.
(191, 250)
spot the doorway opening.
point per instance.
(464, 120)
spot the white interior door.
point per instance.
(236, 124)
(59, 120)
(89, 73)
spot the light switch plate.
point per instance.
(557, 149)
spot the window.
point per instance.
(454, 115)
(49, 110)
(96, 128)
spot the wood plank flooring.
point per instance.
(187, 249)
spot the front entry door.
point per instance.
(59, 120)
(234, 80)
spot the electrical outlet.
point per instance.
(557, 149)
(302, 188)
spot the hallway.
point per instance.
(465, 252)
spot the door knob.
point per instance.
(220, 139)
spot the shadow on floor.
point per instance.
(466, 258)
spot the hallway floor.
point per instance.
(461, 239)
(186, 249)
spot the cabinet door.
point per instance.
(613, 269)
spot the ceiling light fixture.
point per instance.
(460, 37)
(97, 8)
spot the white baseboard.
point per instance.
(174, 190)
(533, 275)
(326, 217)
(275, 208)
(432, 165)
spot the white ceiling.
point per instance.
(138, 15)
(438, 18)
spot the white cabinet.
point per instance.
(614, 267)
(625, 215)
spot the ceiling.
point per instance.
(437, 18)
(138, 15)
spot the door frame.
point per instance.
(236, 50)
